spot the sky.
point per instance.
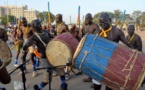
(70, 7)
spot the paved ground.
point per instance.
(75, 82)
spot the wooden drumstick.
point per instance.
(14, 46)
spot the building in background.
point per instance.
(31, 14)
(2, 11)
(19, 11)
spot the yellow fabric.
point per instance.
(8, 33)
(58, 27)
(27, 28)
(104, 32)
(131, 38)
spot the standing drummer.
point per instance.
(59, 29)
(111, 33)
(40, 39)
(134, 40)
(59, 23)
(89, 28)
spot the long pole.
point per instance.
(16, 13)
(44, 18)
(70, 19)
(7, 13)
(78, 21)
(49, 13)
(49, 21)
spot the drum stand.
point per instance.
(23, 74)
(49, 69)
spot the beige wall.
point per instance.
(30, 15)
(19, 11)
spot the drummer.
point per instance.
(111, 33)
(75, 32)
(40, 39)
(134, 39)
(27, 33)
(59, 23)
(89, 28)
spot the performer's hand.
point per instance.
(17, 42)
(36, 52)
(68, 63)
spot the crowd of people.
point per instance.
(34, 36)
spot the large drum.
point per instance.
(112, 64)
(61, 49)
(5, 53)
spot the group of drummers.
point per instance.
(33, 38)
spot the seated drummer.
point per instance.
(40, 39)
(111, 33)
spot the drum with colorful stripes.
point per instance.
(112, 64)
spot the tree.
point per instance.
(117, 14)
(128, 18)
(11, 18)
(141, 18)
(44, 16)
(136, 15)
(96, 16)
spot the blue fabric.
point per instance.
(16, 61)
(33, 66)
(24, 66)
(36, 61)
(62, 78)
(41, 86)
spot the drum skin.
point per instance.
(5, 53)
(68, 39)
(61, 48)
(112, 64)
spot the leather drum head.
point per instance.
(5, 53)
(58, 52)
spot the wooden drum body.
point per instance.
(112, 64)
(61, 48)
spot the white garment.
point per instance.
(96, 82)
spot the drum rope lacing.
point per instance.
(134, 57)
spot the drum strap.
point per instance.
(131, 38)
(40, 38)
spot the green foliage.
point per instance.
(117, 14)
(96, 16)
(137, 17)
(11, 18)
(45, 17)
